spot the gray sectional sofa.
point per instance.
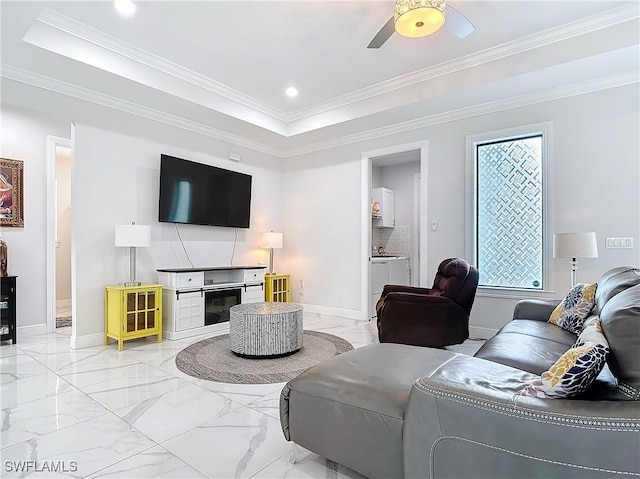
(392, 410)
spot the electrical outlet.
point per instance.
(301, 285)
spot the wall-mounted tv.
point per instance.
(199, 194)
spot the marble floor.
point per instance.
(97, 412)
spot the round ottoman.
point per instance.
(265, 330)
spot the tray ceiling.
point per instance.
(224, 66)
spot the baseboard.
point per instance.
(79, 342)
(338, 312)
(476, 332)
(32, 330)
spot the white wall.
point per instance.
(24, 137)
(315, 199)
(322, 231)
(594, 187)
(115, 181)
(63, 244)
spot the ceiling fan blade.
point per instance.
(457, 23)
(383, 35)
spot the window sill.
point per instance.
(513, 293)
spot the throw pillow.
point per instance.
(592, 333)
(575, 370)
(575, 307)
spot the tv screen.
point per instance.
(199, 194)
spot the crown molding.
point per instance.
(86, 33)
(531, 42)
(47, 83)
(89, 34)
(575, 89)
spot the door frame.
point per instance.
(365, 207)
(52, 143)
(417, 233)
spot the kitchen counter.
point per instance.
(376, 259)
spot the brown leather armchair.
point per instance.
(433, 317)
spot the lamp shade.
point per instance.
(272, 240)
(133, 235)
(575, 245)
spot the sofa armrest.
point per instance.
(400, 288)
(421, 320)
(465, 420)
(534, 309)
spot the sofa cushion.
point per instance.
(613, 282)
(540, 329)
(531, 346)
(575, 371)
(575, 307)
(350, 408)
(620, 318)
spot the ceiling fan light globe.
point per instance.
(419, 18)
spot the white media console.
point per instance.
(197, 300)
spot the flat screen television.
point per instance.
(194, 193)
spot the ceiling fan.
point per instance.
(419, 18)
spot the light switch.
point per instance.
(434, 226)
(619, 243)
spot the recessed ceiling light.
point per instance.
(291, 91)
(126, 7)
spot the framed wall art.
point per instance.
(11, 186)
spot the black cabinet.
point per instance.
(8, 308)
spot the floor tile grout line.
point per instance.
(362, 331)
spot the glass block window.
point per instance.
(509, 212)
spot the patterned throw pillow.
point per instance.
(575, 307)
(575, 370)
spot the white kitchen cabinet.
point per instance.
(379, 276)
(399, 271)
(384, 197)
(384, 271)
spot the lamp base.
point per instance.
(270, 270)
(132, 269)
(574, 268)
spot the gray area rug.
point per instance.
(213, 360)
(63, 321)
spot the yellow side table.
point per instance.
(277, 288)
(132, 312)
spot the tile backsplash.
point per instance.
(393, 240)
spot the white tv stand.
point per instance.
(197, 300)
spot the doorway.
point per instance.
(59, 284)
(401, 169)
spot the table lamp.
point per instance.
(133, 236)
(575, 245)
(271, 241)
